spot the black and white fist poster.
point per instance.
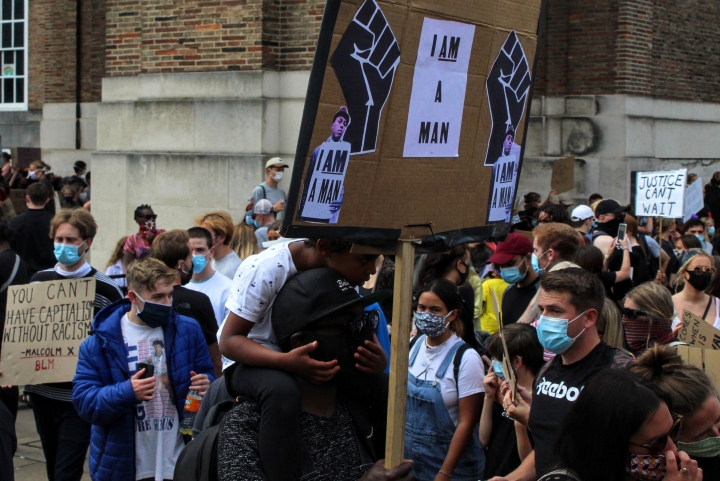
(365, 62)
(438, 92)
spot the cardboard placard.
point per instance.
(431, 96)
(563, 175)
(660, 194)
(45, 323)
(698, 333)
(705, 359)
(694, 201)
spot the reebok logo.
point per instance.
(558, 391)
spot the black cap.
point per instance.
(609, 206)
(312, 295)
(342, 112)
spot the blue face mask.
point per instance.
(67, 254)
(199, 262)
(701, 238)
(497, 369)
(711, 231)
(552, 333)
(512, 275)
(153, 314)
(536, 263)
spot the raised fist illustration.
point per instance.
(508, 85)
(365, 62)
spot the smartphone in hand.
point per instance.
(149, 370)
(622, 235)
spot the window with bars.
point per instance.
(13, 54)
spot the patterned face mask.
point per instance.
(430, 324)
(646, 466)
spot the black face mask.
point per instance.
(700, 281)
(185, 276)
(715, 181)
(611, 227)
(463, 275)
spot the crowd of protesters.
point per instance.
(285, 344)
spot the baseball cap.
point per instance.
(263, 206)
(581, 212)
(515, 244)
(610, 206)
(342, 112)
(275, 162)
(311, 296)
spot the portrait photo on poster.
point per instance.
(437, 98)
(365, 62)
(505, 174)
(323, 189)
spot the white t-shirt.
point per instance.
(116, 270)
(470, 376)
(228, 265)
(217, 288)
(254, 287)
(158, 441)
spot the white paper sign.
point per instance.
(325, 187)
(504, 175)
(693, 199)
(660, 194)
(438, 92)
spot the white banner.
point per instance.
(325, 185)
(660, 194)
(504, 175)
(694, 201)
(438, 92)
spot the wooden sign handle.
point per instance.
(401, 319)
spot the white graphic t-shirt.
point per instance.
(158, 441)
(217, 288)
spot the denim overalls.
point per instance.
(429, 428)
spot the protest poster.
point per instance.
(503, 191)
(45, 323)
(698, 333)
(660, 194)
(694, 201)
(328, 164)
(563, 175)
(705, 359)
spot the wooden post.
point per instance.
(660, 242)
(402, 317)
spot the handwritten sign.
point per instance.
(438, 92)
(45, 323)
(698, 333)
(707, 360)
(660, 194)
(324, 185)
(694, 201)
(563, 175)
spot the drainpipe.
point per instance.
(78, 74)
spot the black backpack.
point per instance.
(198, 460)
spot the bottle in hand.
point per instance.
(192, 406)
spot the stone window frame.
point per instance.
(10, 51)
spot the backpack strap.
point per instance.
(457, 360)
(12, 274)
(263, 189)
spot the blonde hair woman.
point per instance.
(695, 275)
(609, 325)
(648, 313)
(243, 241)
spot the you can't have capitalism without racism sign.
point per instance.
(45, 323)
(661, 194)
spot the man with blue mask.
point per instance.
(696, 227)
(571, 300)
(136, 411)
(262, 218)
(72, 232)
(512, 260)
(205, 279)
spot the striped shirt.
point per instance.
(106, 292)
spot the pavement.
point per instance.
(29, 459)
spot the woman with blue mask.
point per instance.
(694, 397)
(444, 391)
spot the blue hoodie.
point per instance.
(104, 397)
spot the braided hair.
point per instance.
(140, 209)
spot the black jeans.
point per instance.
(65, 437)
(10, 398)
(278, 397)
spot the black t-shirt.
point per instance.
(33, 242)
(7, 262)
(608, 281)
(516, 299)
(501, 453)
(196, 305)
(710, 467)
(467, 294)
(555, 391)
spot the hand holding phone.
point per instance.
(622, 235)
(149, 370)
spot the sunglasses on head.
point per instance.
(632, 314)
(657, 445)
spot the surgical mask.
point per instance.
(535, 260)
(430, 324)
(512, 275)
(253, 223)
(646, 466)
(32, 174)
(278, 176)
(199, 262)
(154, 314)
(711, 231)
(699, 281)
(701, 238)
(497, 369)
(707, 448)
(552, 333)
(67, 254)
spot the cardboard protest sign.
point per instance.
(563, 175)
(660, 194)
(45, 323)
(694, 201)
(707, 360)
(507, 367)
(698, 333)
(432, 99)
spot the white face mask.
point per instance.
(278, 176)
